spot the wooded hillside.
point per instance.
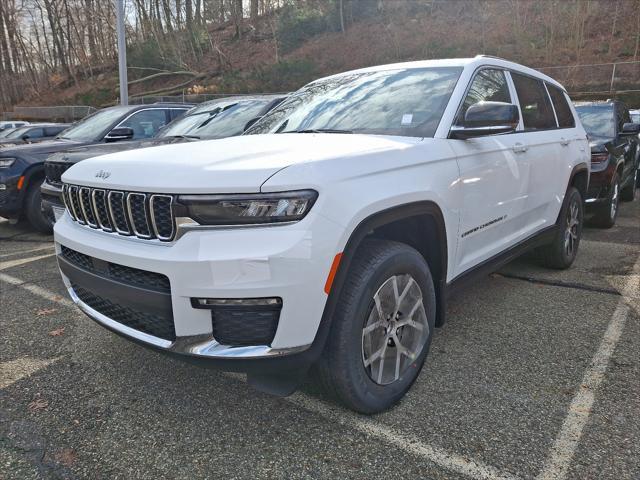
(63, 51)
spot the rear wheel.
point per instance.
(33, 209)
(381, 329)
(606, 215)
(629, 192)
(562, 251)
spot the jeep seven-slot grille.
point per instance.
(142, 215)
(54, 170)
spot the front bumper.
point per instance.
(599, 186)
(289, 261)
(10, 195)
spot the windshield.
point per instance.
(15, 133)
(406, 102)
(4, 133)
(597, 120)
(219, 121)
(93, 127)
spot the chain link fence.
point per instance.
(63, 113)
(599, 78)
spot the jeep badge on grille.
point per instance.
(102, 174)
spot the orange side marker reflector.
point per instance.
(332, 273)
(20, 182)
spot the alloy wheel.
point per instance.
(571, 233)
(396, 329)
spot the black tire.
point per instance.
(557, 254)
(628, 193)
(33, 209)
(607, 214)
(341, 368)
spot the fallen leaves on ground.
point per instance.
(46, 311)
(57, 332)
(38, 404)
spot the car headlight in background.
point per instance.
(7, 162)
(247, 209)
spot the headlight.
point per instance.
(248, 209)
(6, 162)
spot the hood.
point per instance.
(74, 155)
(37, 151)
(230, 165)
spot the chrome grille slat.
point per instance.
(75, 205)
(138, 216)
(99, 201)
(163, 227)
(67, 203)
(118, 212)
(148, 216)
(84, 193)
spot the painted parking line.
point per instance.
(22, 261)
(15, 370)
(411, 445)
(36, 290)
(566, 443)
(29, 250)
(406, 443)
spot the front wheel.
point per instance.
(33, 209)
(606, 215)
(562, 251)
(382, 327)
(628, 193)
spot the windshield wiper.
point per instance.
(318, 130)
(185, 136)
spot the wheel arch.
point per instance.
(579, 178)
(426, 214)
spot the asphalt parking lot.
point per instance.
(535, 375)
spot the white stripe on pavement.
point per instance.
(22, 261)
(36, 290)
(30, 250)
(14, 370)
(566, 443)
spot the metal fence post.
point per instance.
(613, 77)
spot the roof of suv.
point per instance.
(477, 61)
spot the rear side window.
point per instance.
(35, 133)
(537, 113)
(488, 85)
(53, 131)
(563, 111)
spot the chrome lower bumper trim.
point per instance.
(202, 346)
(590, 200)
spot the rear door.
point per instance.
(547, 153)
(493, 182)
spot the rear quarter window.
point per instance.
(563, 111)
(535, 105)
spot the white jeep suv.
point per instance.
(331, 234)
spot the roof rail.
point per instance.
(482, 55)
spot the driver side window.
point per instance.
(489, 85)
(146, 123)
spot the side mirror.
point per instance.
(25, 137)
(250, 123)
(631, 129)
(487, 118)
(119, 133)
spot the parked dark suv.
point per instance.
(33, 133)
(225, 117)
(614, 157)
(22, 167)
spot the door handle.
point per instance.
(564, 142)
(520, 148)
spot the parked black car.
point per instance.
(220, 118)
(22, 167)
(614, 158)
(33, 133)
